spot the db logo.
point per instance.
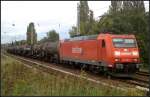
(76, 50)
(125, 53)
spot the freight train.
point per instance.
(117, 55)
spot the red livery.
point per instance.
(112, 53)
(116, 53)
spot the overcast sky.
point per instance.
(46, 15)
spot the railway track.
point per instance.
(142, 77)
(133, 82)
(143, 73)
(136, 82)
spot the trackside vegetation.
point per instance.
(19, 80)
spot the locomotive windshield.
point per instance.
(124, 42)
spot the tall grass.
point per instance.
(18, 80)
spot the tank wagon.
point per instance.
(115, 54)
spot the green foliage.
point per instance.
(19, 80)
(86, 24)
(44, 39)
(21, 42)
(127, 17)
(86, 18)
(21, 88)
(73, 31)
(52, 35)
(31, 34)
(123, 17)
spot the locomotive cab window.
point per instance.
(103, 43)
(124, 42)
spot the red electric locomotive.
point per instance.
(116, 54)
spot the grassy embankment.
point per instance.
(18, 79)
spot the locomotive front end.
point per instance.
(125, 54)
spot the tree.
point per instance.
(91, 23)
(52, 35)
(43, 40)
(86, 22)
(138, 7)
(73, 31)
(84, 17)
(128, 17)
(115, 7)
(31, 34)
(22, 42)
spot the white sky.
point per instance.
(48, 14)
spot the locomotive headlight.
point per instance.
(116, 60)
(135, 60)
(135, 53)
(117, 53)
